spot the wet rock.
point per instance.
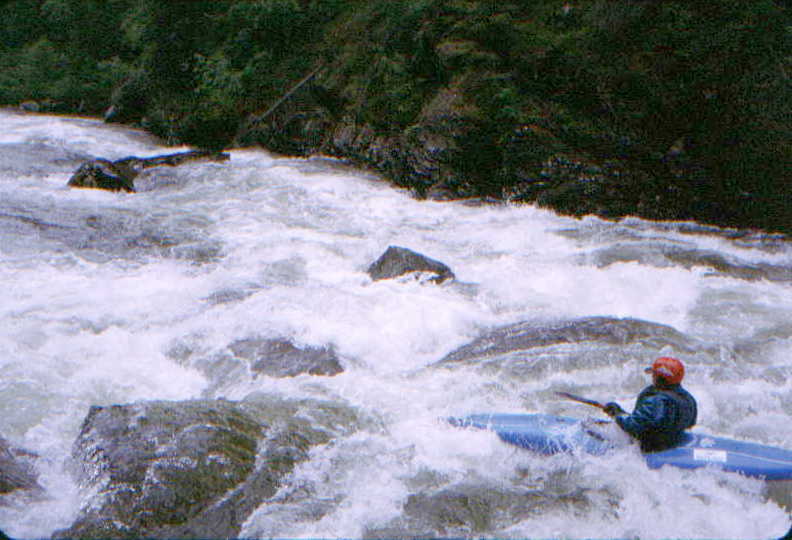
(252, 357)
(183, 469)
(664, 255)
(30, 106)
(120, 175)
(780, 492)
(124, 234)
(319, 421)
(761, 344)
(314, 421)
(398, 261)
(159, 466)
(229, 296)
(531, 349)
(578, 185)
(16, 471)
(43, 106)
(527, 335)
(472, 509)
(137, 164)
(281, 358)
(102, 174)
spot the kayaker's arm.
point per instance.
(649, 415)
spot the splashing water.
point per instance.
(113, 298)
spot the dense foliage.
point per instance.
(662, 108)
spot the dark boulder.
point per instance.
(120, 175)
(134, 165)
(281, 358)
(102, 174)
(158, 467)
(471, 510)
(606, 330)
(30, 106)
(533, 349)
(183, 469)
(255, 356)
(398, 261)
(16, 471)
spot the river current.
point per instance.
(114, 298)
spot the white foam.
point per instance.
(295, 240)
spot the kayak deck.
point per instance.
(549, 434)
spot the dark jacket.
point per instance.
(660, 417)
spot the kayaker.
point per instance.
(663, 411)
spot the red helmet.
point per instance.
(671, 370)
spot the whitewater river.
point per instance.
(111, 298)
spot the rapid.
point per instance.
(111, 298)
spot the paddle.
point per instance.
(579, 399)
(591, 402)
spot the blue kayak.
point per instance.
(549, 434)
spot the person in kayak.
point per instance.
(663, 411)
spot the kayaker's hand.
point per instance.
(613, 409)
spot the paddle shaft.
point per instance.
(579, 399)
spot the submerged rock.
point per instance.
(666, 254)
(30, 106)
(398, 261)
(532, 349)
(607, 330)
(281, 358)
(183, 469)
(252, 357)
(474, 510)
(16, 473)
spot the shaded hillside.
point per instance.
(663, 109)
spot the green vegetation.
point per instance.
(666, 109)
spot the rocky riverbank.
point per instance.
(551, 105)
